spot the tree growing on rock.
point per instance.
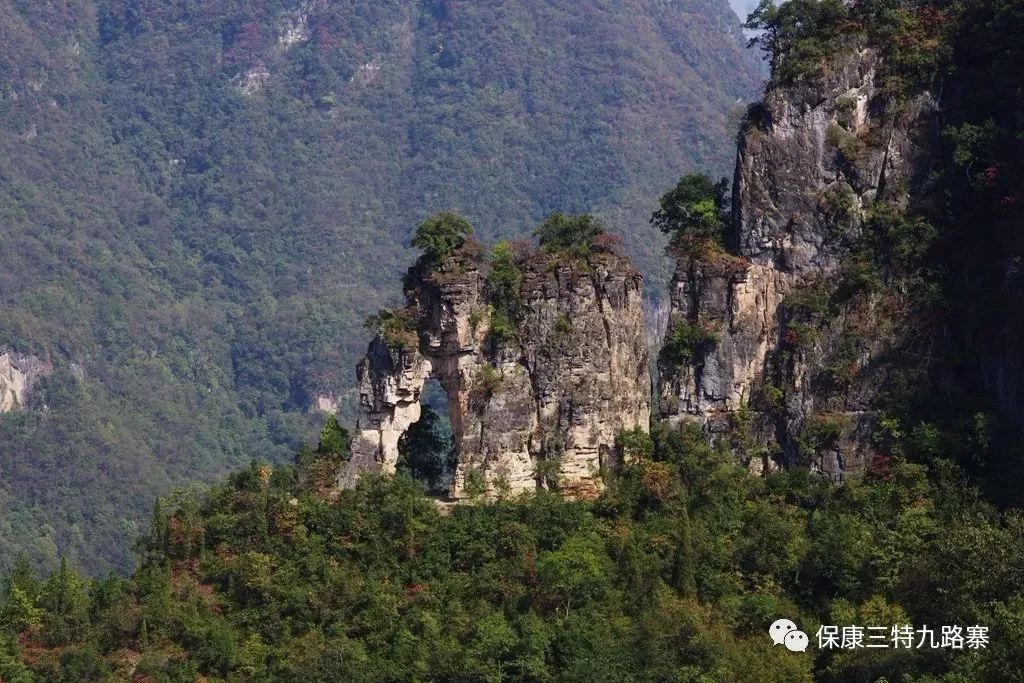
(796, 36)
(696, 208)
(569, 234)
(440, 235)
(333, 438)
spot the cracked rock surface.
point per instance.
(541, 409)
(814, 157)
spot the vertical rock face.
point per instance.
(18, 375)
(539, 407)
(812, 145)
(732, 298)
(813, 159)
(390, 380)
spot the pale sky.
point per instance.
(743, 7)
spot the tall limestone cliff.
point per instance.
(793, 359)
(536, 406)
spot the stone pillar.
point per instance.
(391, 381)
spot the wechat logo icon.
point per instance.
(785, 632)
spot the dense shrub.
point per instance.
(686, 342)
(440, 235)
(397, 327)
(569, 234)
(696, 208)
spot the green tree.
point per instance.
(66, 605)
(334, 438)
(212, 642)
(12, 669)
(252, 659)
(503, 283)
(634, 445)
(683, 571)
(83, 663)
(426, 451)
(576, 573)
(569, 234)
(19, 610)
(493, 644)
(686, 342)
(503, 291)
(696, 207)
(973, 147)
(798, 35)
(154, 543)
(23, 577)
(440, 235)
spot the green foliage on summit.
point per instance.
(696, 209)
(574, 235)
(503, 289)
(799, 35)
(440, 235)
(803, 37)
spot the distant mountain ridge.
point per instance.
(200, 202)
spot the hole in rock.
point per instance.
(427, 449)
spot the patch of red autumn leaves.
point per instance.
(880, 467)
(608, 243)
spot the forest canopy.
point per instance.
(674, 572)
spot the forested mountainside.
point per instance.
(201, 202)
(673, 566)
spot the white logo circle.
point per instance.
(780, 629)
(796, 641)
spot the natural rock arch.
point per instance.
(542, 411)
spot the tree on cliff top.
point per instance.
(695, 207)
(572, 234)
(440, 235)
(801, 33)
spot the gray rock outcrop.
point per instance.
(19, 373)
(814, 158)
(539, 408)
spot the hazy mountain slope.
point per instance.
(88, 265)
(201, 201)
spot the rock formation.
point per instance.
(814, 159)
(19, 373)
(537, 406)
